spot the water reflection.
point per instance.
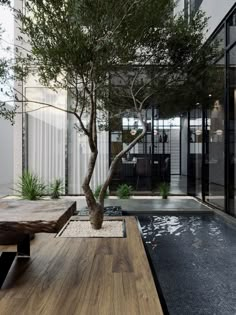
(181, 226)
(194, 260)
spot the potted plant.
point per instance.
(124, 191)
(164, 189)
(97, 192)
(29, 186)
(56, 189)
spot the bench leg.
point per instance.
(6, 260)
(23, 246)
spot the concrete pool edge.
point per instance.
(227, 218)
(178, 211)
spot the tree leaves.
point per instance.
(78, 44)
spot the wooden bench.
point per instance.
(23, 218)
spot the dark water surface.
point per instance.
(194, 258)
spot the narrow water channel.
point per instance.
(194, 259)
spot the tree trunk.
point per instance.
(96, 210)
(96, 215)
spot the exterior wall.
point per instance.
(6, 157)
(179, 6)
(6, 130)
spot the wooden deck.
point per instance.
(67, 276)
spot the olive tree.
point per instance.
(112, 56)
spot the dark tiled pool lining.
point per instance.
(154, 275)
(213, 290)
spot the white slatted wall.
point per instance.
(78, 157)
(46, 135)
(49, 141)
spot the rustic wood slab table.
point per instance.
(23, 218)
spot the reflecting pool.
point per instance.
(194, 258)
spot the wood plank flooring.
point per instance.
(67, 276)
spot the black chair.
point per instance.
(143, 171)
(165, 170)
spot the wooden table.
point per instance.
(24, 217)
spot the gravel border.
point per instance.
(76, 228)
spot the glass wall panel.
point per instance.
(232, 129)
(184, 145)
(220, 39)
(232, 29)
(215, 146)
(154, 158)
(167, 141)
(195, 153)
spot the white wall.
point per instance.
(6, 130)
(6, 157)
(179, 6)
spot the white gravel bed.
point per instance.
(84, 229)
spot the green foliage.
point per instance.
(95, 38)
(7, 113)
(30, 187)
(124, 191)
(164, 189)
(97, 192)
(56, 188)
